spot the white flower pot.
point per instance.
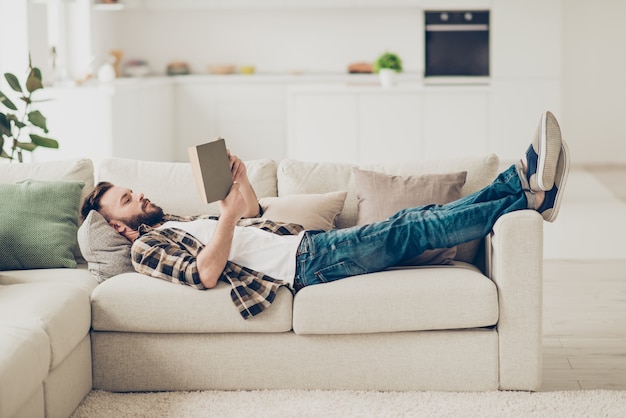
(387, 77)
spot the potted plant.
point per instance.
(16, 122)
(387, 66)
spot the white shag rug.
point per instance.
(318, 403)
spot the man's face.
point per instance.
(122, 204)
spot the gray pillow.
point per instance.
(107, 252)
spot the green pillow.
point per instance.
(38, 224)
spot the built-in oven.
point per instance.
(456, 43)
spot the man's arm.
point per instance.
(240, 175)
(213, 257)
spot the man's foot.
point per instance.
(543, 153)
(549, 209)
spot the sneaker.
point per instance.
(549, 209)
(543, 153)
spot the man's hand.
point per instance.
(233, 207)
(237, 168)
(250, 202)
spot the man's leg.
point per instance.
(336, 254)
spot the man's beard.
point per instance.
(153, 215)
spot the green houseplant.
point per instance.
(21, 119)
(390, 61)
(387, 65)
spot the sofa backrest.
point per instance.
(64, 170)
(297, 177)
(171, 184)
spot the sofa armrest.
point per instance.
(514, 252)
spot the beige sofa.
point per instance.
(473, 325)
(45, 313)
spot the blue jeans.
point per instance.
(336, 254)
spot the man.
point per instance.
(257, 256)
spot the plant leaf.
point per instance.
(5, 125)
(34, 80)
(13, 82)
(26, 146)
(36, 118)
(16, 121)
(44, 142)
(7, 102)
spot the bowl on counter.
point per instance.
(136, 68)
(178, 68)
(221, 69)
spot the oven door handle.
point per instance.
(456, 28)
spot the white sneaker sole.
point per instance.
(549, 150)
(560, 183)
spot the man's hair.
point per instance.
(92, 201)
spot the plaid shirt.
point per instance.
(170, 254)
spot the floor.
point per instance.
(584, 327)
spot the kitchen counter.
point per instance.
(322, 82)
(289, 78)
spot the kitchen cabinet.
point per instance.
(456, 122)
(127, 119)
(250, 116)
(371, 124)
(389, 127)
(353, 124)
(323, 127)
(341, 119)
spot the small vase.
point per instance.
(106, 73)
(387, 77)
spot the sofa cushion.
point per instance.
(24, 363)
(61, 309)
(402, 299)
(173, 308)
(382, 195)
(312, 211)
(40, 220)
(171, 185)
(78, 277)
(105, 250)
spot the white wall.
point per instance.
(594, 79)
(13, 37)
(309, 40)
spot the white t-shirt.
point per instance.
(254, 248)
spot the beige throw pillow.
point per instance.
(312, 211)
(382, 195)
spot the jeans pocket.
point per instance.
(339, 270)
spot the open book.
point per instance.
(211, 170)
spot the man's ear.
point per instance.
(123, 229)
(119, 226)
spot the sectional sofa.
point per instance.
(460, 319)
